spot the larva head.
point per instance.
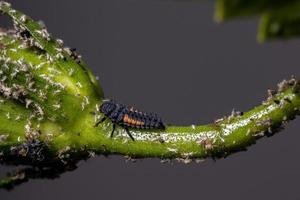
(107, 107)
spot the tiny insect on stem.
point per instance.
(128, 117)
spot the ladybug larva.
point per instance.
(128, 117)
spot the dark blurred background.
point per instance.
(169, 57)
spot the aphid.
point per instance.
(128, 117)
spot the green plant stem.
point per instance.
(218, 139)
(215, 140)
(49, 104)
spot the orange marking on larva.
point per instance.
(129, 121)
(133, 122)
(125, 118)
(140, 123)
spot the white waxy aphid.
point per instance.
(30, 85)
(79, 84)
(22, 46)
(23, 68)
(259, 134)
(8, 115)
(97, 117)
(3, 78)
(222, 139)
(40, 65)
(42, 94)
(220, 120)
(71, 72)
(92, 154)
(83, 106)
(53, 70)
(56, 106)
(188, 155)
(49, 58)
(62, 154)
(58, 49)
(4, 3)
(44, 33)
(284, 118)
(12, 11)
(59, 56)
(173, 150)
(14, 73)
(270, 130)
(56, 91)
(18, 118)
(5, 66)
(60, 85)
(68, 50)
(3, 57)
(30, 65)
(184, 160)
(13, 50)
(60, 42)
(12, 41)
(3, 138)
(23, 18)
(39, 110)
(187, 161)
(28, 102)
(48, 79)
(87, 101)
(165, 161)
(97, 107)
(49, 137)
(5, 90)
(199, 160)
(20, 61)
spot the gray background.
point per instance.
(170, 57)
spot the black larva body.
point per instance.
(128, 117)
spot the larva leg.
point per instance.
(128, 132)
(113, 130)
(100, 121)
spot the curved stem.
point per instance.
(48, 114)
(228, 135)
(225, 136)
